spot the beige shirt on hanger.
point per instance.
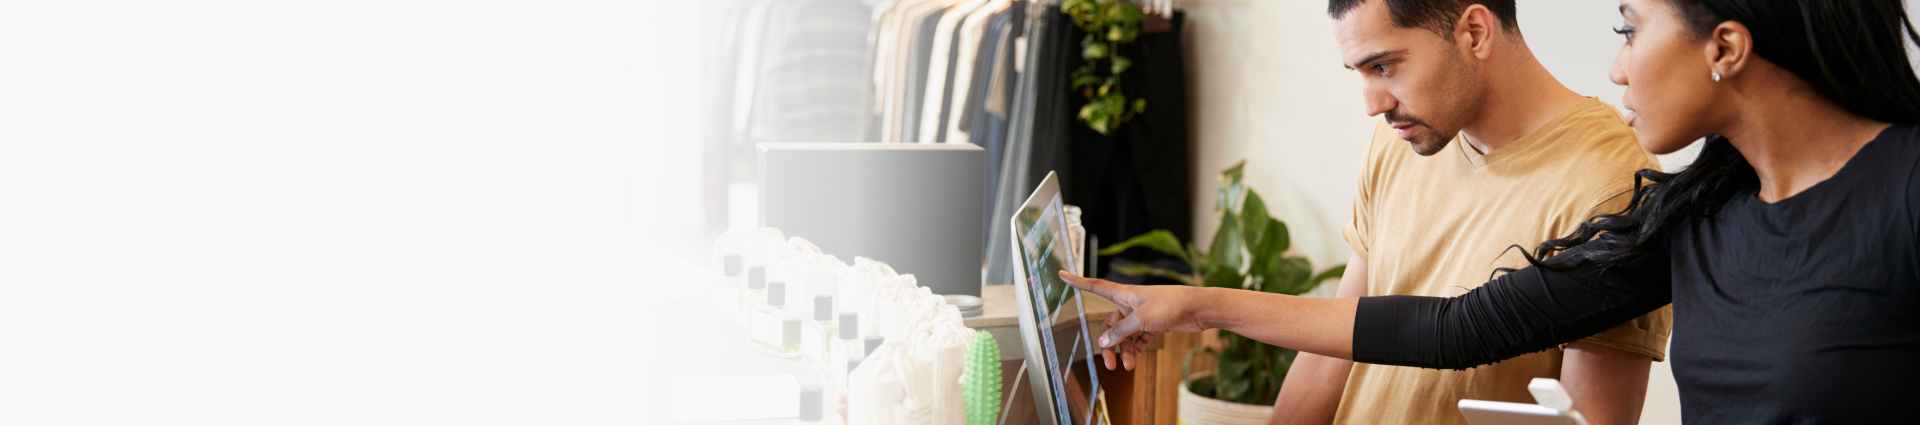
(877, 40)
(903, 29)
(971, 32)
(937, 69)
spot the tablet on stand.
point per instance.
(1060, 355)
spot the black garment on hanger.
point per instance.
(1137, 179)
(1051, 116)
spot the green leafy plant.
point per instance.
(1248, 252)
(1108, 24)
(981, 381)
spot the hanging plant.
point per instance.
(1108, 24)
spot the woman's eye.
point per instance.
(1626, 31)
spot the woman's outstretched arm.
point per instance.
(1314, 325)
(1529, 310)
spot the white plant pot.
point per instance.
(1197, 410)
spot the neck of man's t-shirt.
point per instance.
(1511, 113)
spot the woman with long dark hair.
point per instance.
(1790, 249)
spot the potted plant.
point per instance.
(1248, 252)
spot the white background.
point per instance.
(413, 211)
(342, 211)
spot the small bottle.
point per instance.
(846, 341)
(756, 292)
(817, 334)
(844, 375)
(724, 291)
(812, 405)
(873, 343)
(771, 327)
(855, 351)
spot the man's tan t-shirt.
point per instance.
(1440, 225)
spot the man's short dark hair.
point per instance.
(1434, 15)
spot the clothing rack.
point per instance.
(926, 71)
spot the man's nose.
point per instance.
(1377, 100)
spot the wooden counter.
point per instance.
(1145, 395)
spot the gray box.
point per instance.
(917, 207)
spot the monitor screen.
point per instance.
(1057, 309)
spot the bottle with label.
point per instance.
(846, 340)
(812, 406)
(773, 329)
(873, 343)
(817, 334)
(843, 375)
(723, 291)
(756, 292)
(856, 350)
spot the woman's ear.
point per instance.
(1728, 47)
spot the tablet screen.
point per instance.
(1058, 310)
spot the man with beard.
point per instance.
(1480, 149)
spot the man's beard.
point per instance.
(1461, 104)
(1425, 143)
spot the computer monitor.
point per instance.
(915, 206)
(1053, 321)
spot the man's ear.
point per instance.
(1728, 48)
(1477, 31)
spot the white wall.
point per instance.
(346, 211)
(1268, 86)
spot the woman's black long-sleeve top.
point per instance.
(1806, 310)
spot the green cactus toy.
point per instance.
(982, 380)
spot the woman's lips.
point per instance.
(1632, 117)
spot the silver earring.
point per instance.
(1716, 77)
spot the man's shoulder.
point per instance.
(1596, 157)
(1594, 149)
(1600, 136)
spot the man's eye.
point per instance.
(1381, 68)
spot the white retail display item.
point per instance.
(846, 342)
(941, 342)
(730, 245)
(771, 329)
(890, 303)
(818, 334)
(1549, 393)
(931, 346)
(1076, 233)
(723, 288)
(790, 262)
(755, 291)
(754, 247)
(872, 343)
(1555, 408)
(889, 388)
(969, 305)
(1483, 412)
(823, 278)
(807, 272)
(812, 406)
(858, 285)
